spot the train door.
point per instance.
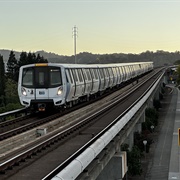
(81, 82)
(124, 73)
(130, 71)
(89, 77)
(41, 80)
(95, 79)
(76, 80)
(102, 79)
(85, 81)
(106, 78)
(115, 76)
(70, 85)
(111, 77)
(118, 75)
(127, 73)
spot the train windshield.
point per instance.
(55, 77)
(27, 77)
(41, 77)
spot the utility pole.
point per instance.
(75, 36)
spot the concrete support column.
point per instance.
(116, 168)
(138, 127)
(157, 93)
(150, 103)
(130, 140)
(142, 118)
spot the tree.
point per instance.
(23, 59)
(29, 58)
(11, 92)
(134, 163)
(2, 82)
(12, 67)
(133, 159)
(40, 59)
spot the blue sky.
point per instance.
(104, 26)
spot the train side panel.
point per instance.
(57, 85)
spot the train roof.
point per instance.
(85, 65)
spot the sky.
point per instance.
(103, 26)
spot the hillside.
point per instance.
(5, 53)
(160, 58)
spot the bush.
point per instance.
(133, 159)
(134, 162)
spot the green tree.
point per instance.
(133, 159)
(23, 59)
(40, 59)
(31, 58)
(12, 67)
(11, 91)
(134, 162)
(2, 82)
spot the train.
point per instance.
(43, 86)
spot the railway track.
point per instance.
(22, 124)
(74, 130)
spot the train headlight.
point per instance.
(23, 90)
(60, 91)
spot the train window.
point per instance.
(68, 77)
(71, 76)
(106, 70)
(55, 77)
(41, 78)
(92, 73)
(84, 74)
(27, 77)
(110, 72)
(95, 73)
(105, 73)
(80, 75)
(75, 75)
(101, 73)
(88, 74)
(115, 71)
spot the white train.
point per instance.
(42, 86)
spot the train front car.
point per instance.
(40, 86)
